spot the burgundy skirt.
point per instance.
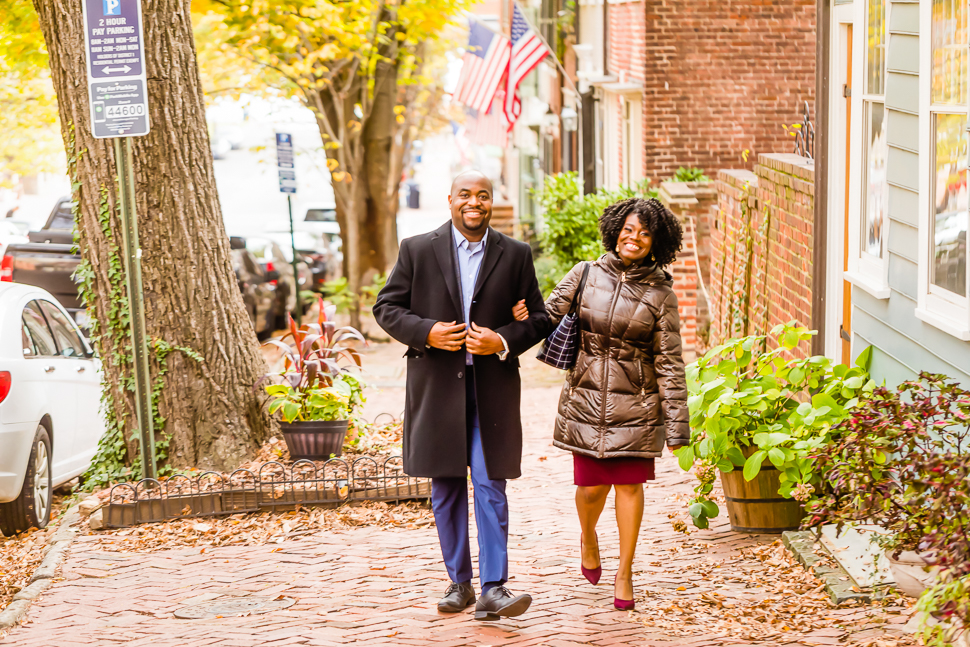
(589, 471)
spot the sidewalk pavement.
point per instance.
(369, 586)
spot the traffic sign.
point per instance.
(115, 51)
(284, 162)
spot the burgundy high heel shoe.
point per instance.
(591, 574)
(622, 605)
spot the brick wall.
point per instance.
(696, 206)
(626, 48)
(721, 77)
(626, 59)
(761, 248)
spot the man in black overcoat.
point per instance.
(450, 298)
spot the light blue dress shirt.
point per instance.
(470, 257)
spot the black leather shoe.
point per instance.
(499, 602)
(457, 598)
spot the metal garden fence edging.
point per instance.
(272, 486)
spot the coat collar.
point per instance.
(443, 244)
(649, 273)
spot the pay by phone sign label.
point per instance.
(116, 67)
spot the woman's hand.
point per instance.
(520, 311)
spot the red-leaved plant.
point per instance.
(318, 381)
(901, 460)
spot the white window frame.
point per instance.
(865, 271)
(935, 306)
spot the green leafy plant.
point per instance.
(691, 174)
(338, 293)
(749, 405)
(901, 461)
(317, 382)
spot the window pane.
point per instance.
(949, 52)
(876, 48)
(950, 205)
(39, 332)
(69, 344)
(877, 190)
(25, 339)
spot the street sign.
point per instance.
(116, 68)
(284, 162)
(287, 172)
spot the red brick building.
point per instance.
(691, 82)
(721, 77)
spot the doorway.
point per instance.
(838, 316)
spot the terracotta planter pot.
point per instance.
(911, 572)
(756, 507)
(315, 440)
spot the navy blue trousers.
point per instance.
(449, 500)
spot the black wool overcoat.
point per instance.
(422, 289)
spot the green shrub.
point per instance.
(691, 174)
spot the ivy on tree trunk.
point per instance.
(213, 417)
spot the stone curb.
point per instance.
(42, 578)
(838, 584)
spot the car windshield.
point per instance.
(321, 215)
(62, 218)
(305, 241)
(260, 248)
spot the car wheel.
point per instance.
(32, 509)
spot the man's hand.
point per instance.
(447, 336)
(483, 341)
(520, 311)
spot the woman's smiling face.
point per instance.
(634, 242)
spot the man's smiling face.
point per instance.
(471, 204)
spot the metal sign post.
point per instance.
(119, 110)
(287, 172)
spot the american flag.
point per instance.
(491, 128)
(483, 67)
(528, 50)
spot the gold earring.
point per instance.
(618, 248)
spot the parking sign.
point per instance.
(284, 163)
(115, 51)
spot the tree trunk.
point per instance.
(367, 205)
(213, 416)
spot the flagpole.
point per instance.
(572, 86)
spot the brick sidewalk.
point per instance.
(370, 586)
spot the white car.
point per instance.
(50, 393)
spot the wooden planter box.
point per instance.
(756, 507)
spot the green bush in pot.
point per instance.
(749, 405)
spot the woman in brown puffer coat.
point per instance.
(627, 394)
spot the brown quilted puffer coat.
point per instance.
(627, 393)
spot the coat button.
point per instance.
(460, 375)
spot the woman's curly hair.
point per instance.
(663, 226)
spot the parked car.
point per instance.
(257, 287)
(314, 250)
(50, 394)
(11, 233)
(48, 260)
(274, 258)
(322, 218)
